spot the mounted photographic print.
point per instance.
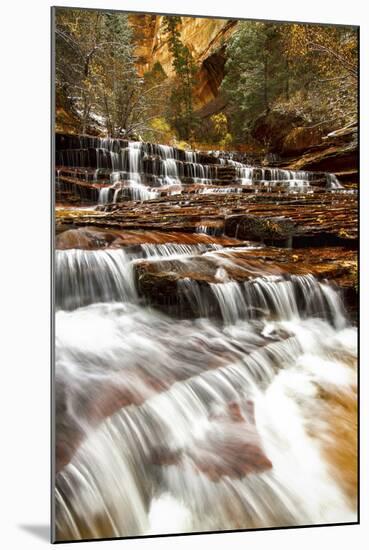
(205, 178)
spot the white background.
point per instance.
(24, 272)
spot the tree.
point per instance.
(119, 84)
(96, 74)
(325, 60)
(157, 94)
(181, 113)
(78, 41)
(256, 74)
(305, 70)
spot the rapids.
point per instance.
(169, 425)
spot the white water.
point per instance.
(86, 276)
(176, 250)
(197, 399)
(209, 229)
(333, 182)
(104, 195)
(247, 175)
(140, 169)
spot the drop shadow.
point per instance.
(40, 531)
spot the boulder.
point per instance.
(255, 228)
(273, 127)
(301, 138)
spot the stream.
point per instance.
(227, 407)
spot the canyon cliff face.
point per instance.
(290, 141)
(204, 37)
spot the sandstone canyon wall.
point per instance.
(204, 37)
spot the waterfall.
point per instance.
(116, 194)
(209, 229)
(134, 157)
(244, 174)
(247, 175)
(333, 182)
(191, 156)
(166, 152)
(200, 385)
(139, 166)
(188, 439)
(268, 297)
(174, 250)
(170, 171)
(86, 276)
(134, 191)
(207, 418)
(104, 195)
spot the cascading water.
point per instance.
(333, 182)
(140, 169)
(200, 384)
(271, 177)
(209, 229)
(210, 423)
(87, 276)
(104, 195)
(173, 250)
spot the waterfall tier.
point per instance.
(142, 171)
(205, 343)
(203, 416)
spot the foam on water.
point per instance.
(170, 425)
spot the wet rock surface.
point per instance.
(234, 450)
(157, 281)
(336, 152)
(291, 234)
(95, 238)
(316, 219)
(200, 300)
